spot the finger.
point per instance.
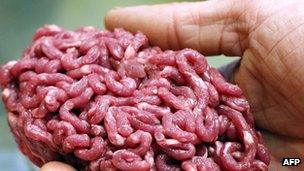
(56, 166)
(211, 27)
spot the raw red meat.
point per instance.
(102, 100)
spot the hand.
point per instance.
(56, 166)
(267, 35)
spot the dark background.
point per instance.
(18, 21)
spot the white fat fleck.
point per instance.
(48, 97)
(85, 69)
(171, 142)
(6, 93)
(11, 63)
(68, 145)
(226, 147)
(192, 101)
(198, 80)
(142, 105)
(69, 50)
(53, 27)
(154, 91)
(88, 28)
(130, 52)
(237, 154)
(248, 137)
(201, 82)
(165, 70)
(120, 140)
(42, 77)
(207, 75)
(141, 54)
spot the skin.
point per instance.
(267, 35)
(56, 166)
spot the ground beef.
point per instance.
(101, 100)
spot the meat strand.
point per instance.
(101, 100)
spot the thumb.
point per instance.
(56, 166)
(211, 27)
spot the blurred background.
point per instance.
(19, 20)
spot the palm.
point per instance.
(271, 76)
(271, 73)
